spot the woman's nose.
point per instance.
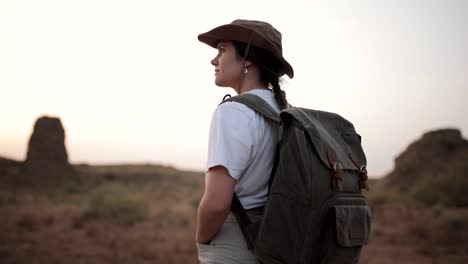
(214, 61)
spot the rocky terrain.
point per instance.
(433, 169)
(144, 213)
(116, 214)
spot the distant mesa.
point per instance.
(433, 168)
(46, 164)
(6, 162)
(8, 167)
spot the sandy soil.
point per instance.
(48, 227)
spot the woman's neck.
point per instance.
(248, 83)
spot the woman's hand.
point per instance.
(215, 203)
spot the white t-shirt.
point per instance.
(244, 143)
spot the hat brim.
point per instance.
(231, 32)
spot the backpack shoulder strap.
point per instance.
(260, 106)
(256, 103)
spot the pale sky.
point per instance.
(131, 82)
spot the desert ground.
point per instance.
(147, 214)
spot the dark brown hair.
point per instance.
(269, 67)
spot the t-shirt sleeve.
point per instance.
(231, 140)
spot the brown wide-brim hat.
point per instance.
(256, 33)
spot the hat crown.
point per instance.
(264, 29)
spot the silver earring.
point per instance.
(245, 70)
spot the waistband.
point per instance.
(253, 214)
(256, 210)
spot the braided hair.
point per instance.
(269, 69)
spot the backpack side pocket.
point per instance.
(352, 224)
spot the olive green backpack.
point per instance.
(316, 211)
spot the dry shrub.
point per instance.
(27, 222)
(419, 231)
(454, 222)
(453, 234)
(438, 188)
(381, 196)
(438, 209)
(117, 203)
(7, 198)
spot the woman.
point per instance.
(241, 143)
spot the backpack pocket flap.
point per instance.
(324, 141)
(352, 225)
(325, 132)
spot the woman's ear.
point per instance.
(247, 63)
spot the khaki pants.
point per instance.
(228, 246)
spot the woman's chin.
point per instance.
(220, 83)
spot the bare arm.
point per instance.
(215, 203)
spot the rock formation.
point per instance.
(8, 167)
(47, 163)
(434, 167)
(6, 162)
